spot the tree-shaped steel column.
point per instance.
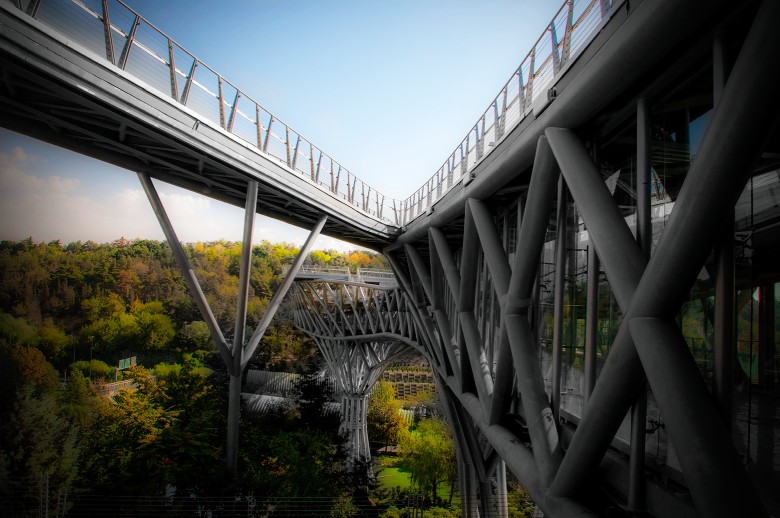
(357, 366)
(359, 329)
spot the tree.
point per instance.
(429, 451)
(39, 457)
(384, 414)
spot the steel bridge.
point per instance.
(591, 273)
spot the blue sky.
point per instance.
(388, 89)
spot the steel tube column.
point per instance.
(724, 347)
(591, 326)
(184, 268)
(282, 290)
(644, 236)
(730, 146)
(560, 281)
(236, 374)
(515, 305)
(623, 262)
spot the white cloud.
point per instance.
(57, 207)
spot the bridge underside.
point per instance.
(597, 298)
(602, 308)
(60, 94)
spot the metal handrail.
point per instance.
(133, 44)
(572, 28)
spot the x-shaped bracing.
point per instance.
(649, 343)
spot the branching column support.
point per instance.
(730, 146)
(356, 366)
(237, 358)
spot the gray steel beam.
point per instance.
(447, 357)
(724, 346)
(605, 75)
(713, 471)
(644, 237)
(515, 303)
(591, 325)
(560, 284)
(236, 371)
(186, 270)
(624, 263)
(281, 291)
(730, 146)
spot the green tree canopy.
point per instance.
(429, 451)
(385, 421)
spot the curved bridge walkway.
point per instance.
(617, 197)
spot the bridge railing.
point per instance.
(529, 88)
(130, 42)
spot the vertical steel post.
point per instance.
(281, 291)
(503, 507)
(591, 326)
(724, 350)
(766, 335)
(234, 397)
(560, 281)
(644, 236)
(109, 41)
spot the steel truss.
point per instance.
(505, 397)
(359, 328)
(237, 354)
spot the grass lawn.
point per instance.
(391, 473)
(389, 478)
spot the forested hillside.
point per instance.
(127, 297)
(68, 313)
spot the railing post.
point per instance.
(521, 92)
(502, 126)
(221, 103)
(314, 174)
(295, 153)
(32, 8)
(332, 179)
(259, 127)
(567, 34)
(556, 57)
(128, 43)
(468, 143)
(267, 133)
(287, 144)
(109, 41)
(172, 67)
(463, 160)
(233, 110)
(529, 94)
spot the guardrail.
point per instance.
(342, 273)
(131, 43)
(529, 88)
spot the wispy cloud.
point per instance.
(59, 207)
